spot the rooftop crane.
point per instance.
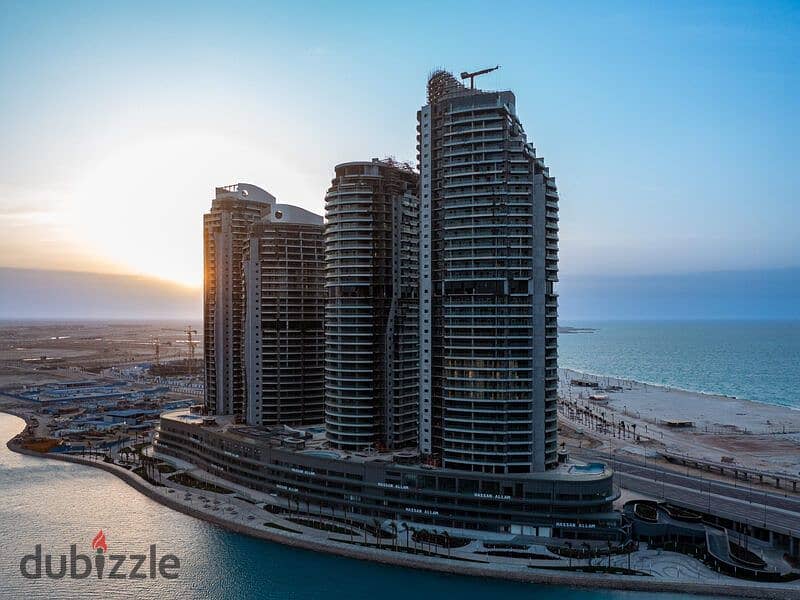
(474, 74)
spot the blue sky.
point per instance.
(670, 127)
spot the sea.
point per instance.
(56, 504)
(752, 360)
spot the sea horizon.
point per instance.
(747, 359)
(637, 349)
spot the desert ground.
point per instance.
(37, 352)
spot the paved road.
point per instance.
(741, 491)
(635, 466)
(781, 513)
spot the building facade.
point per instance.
(488, 267)
(225, 232)
(371, 343)
(293, 468)
(284, 311)
(419, 323)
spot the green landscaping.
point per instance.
(323, 526)
(142, 472)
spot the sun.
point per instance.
(141, 209)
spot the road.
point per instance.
(754, 507)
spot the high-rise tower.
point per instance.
(285, 306)
(488, 267)
(225, 231)
(371, 333)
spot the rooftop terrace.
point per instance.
(310, 440)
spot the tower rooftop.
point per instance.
(244, 191)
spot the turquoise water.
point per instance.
(591, 468)
(755, 360)
(322, 453)
(57, 504)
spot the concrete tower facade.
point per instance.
(225, 232)
(371, 332)
(284, 310)
(488, 267)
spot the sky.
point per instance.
(671, 127)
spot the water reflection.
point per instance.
(57, 504)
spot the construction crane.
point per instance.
(192, 344)
(474, 74)
(157, 346)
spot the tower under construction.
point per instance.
(488, 267)
(225, 232)
(371, 337)
(285, 306)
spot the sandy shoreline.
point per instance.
(614, 378)
(321, 542)
(764, 436)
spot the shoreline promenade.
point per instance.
(662, 571)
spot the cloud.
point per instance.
(48, 294)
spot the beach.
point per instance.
(711, 427)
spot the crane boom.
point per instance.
(471, 76)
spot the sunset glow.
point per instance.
(116, 133)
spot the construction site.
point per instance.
(86, 385)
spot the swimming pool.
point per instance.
(323, 453)
(590, 469)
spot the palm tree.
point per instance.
(377, 524)
(348, 523)
(569, 545)
(427, 537)
(406, 529)
(446, 535)
(587, 547)
(414, 537)
(434, 540)
(609, 553)
(393, 527)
